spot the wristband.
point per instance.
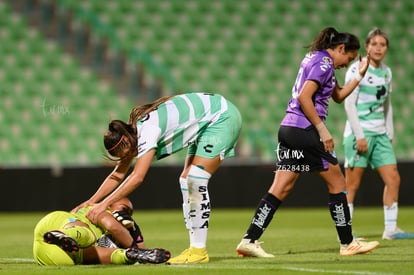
(359, 77)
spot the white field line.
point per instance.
(317, 270)
(17, 260)
(291, 268)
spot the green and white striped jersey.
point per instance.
(176, 123)
(368, 105)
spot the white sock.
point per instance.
(351, 209)
(197, 180)
(390, 217)
(186, 206)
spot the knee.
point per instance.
(393, 181)
(197, 174)
(352, 185)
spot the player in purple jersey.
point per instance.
(305, 144)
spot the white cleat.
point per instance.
(398, 234)
(248, 249)
(357, 247)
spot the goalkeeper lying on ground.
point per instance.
(64, 238)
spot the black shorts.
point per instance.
(301, 150)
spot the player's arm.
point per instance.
(340, 93)
(109, 184)
(113, 180)
(352, 114)
(389, 124)
(305, 98)
(351, 104)
(127, 186)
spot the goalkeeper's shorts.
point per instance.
(50, 254)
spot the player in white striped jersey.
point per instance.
(369, 132)
(207, 124)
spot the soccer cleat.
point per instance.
(152, 256)
(398, 234)
(248, 249)
(191, 255)
(357, 247)
(58, 238)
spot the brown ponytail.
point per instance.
(121, 135)
(140, 111)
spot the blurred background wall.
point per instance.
(47, 189)
(68, 67)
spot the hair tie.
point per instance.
(116, 145)
(331, 37)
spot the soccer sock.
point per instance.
(81, 234)
(186, 202)
(338, 207)
(186, 207)
(351, 210)
(199, 202)
(390, 217)
(262, 217)
(118, 256)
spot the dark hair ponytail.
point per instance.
(119, 136)
(139, 112)
(329, 38)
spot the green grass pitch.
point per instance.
(303, 240)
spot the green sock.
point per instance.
(82, 235)
(119, 257)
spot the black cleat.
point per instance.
(58, 238)
(152, 256)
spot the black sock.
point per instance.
(340, 214)
(262, 217)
